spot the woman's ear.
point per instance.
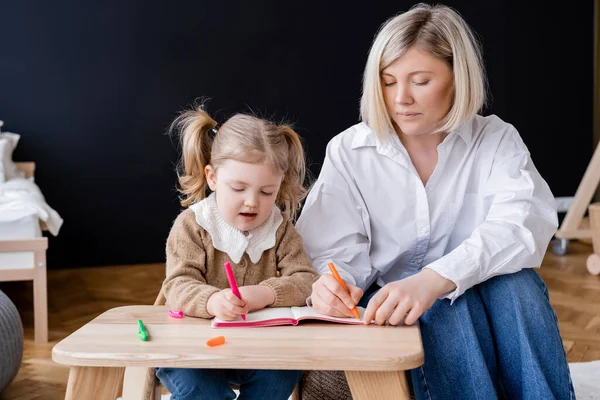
(211, 177)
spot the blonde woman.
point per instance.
(439, 215)
(254, 170)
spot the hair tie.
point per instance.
(214, 131)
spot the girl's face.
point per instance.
(418, 90)
(245, 192)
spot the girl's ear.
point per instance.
(211, 177)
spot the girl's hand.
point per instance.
(407, 299)
(257, 296)
(329, 298)
(226, 306)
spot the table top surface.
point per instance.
(111, 340)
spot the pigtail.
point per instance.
(292, 190)
(194, 127)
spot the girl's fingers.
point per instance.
(233, 299)
(236, 310)
(226, 315)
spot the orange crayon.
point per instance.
(216, 341)
(341, 282)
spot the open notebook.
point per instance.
(283, 316)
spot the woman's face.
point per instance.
(418, 91)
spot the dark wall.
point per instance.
(92, 87)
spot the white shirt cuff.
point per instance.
(458, 267)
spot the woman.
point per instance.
(439, 215)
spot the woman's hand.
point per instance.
(226, 306)
(257, 296)
(407, 299)
(329, 298)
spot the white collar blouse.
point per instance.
(485, 210)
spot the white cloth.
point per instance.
(585, 379)
(485, 210)
(24, 194)
(231, 240)
(8, 168)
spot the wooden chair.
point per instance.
(35, 248)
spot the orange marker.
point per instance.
(341, 282)
(216, 341)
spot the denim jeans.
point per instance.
(500, 339)
(208, 384)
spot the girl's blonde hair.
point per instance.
(443, 33)
(243, 138)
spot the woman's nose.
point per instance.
(403, 95)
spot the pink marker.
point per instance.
(232, 283)
(175, 313)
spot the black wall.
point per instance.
(92, 87)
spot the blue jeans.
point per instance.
(207, 384)
(500, 339)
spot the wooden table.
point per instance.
(374, 357)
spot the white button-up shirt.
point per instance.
(485, 210)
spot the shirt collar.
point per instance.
(465, 131)
(231, 240)
(366, 137)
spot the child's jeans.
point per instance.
(500, 339)
(209, 384)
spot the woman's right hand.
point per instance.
(226, 306)
(329, 297)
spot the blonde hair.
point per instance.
(243, 138)
(443, 33)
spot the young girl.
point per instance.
(255, 171)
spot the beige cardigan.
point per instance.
(195, 268)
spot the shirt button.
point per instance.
(242, 264)
(246, 233)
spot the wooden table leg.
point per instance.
(296, 393)
(40, 303)
(379, 385)
(101, 383)
(140, 384)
